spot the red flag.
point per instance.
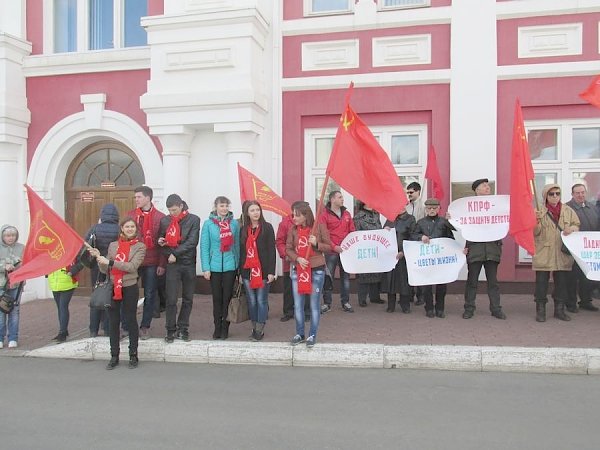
(432, 173)
(252, 188)
(592, 93)
(52, 243)
(522, 215)
(363, 168)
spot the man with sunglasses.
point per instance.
(416, 208)
(486, 255)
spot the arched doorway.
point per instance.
(105, 172)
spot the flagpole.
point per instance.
(535, 196)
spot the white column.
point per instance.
(473, 91)
(12, 18)
(176, 161)
(240, 148)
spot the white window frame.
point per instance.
(384, 135)
(309, 12)
(83, 27)
(381, 6)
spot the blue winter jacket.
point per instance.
(105, 232)
(213, 259)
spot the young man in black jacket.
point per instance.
(178, 236)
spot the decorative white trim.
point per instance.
(207, 5)
(536, 8)
(328, 55)
(550, 70)
(210, 58)
(132, 58)
(413, 77)
(550, 40)
(401, 50)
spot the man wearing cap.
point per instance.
(577, 282)
(486, 255)
(433, 226)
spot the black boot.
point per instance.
(559, 311)
(224, 329)
(540, 311)
(391, 303)
(217, 332)
(133, 361)
(114, 362)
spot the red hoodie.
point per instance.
(338, 227)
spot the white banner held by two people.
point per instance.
(369, 251)
(482, 218)
(585, 248)
(438, 262)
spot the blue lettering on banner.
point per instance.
(367, 253)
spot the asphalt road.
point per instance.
(59, 404)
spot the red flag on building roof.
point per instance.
(522, 215)
(432, 173)
(592, 93)
(363, 168)
(252, 188)
(52, 243)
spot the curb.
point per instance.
(580, 361)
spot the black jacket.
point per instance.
(433, 227)
(187, 249)
(102, 234)
(265, 244)
(405, 227)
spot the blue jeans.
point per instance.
(333, 260)
(150, 282)
(62, 300)
(318, 278)
(12, 319)
(258, 301)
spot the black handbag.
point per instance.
(102, 295)
(7, 303)
(563, 247)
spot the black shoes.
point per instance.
(419, 302)
(184, 335)
(405, 309)
(587, 306)
(430, 314)
(170, 338)
(440, 314)
(133, 361)
(114, 362)
(467, 314)
(60, 337)
(572, 308)
(286, 317)
(499, 315)
(378, 301)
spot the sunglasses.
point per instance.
(410, 192)
(554, 194)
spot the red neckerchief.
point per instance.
(173, 233)
(145, 222)
(123, 256)
(554, 210)
(252, 259)
(225, 233)
(302, 250)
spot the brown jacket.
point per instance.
(548, 256)
(317, 258)
(136, 256)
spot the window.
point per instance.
(566, 153)
(109, 163)
(315, 7)
(400, 4)
(405, 145)
(80, 25)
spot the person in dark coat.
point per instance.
(396, 281)
(368, 283)
(257, 264)
(100, 236)
(433, 226)
(486, 255)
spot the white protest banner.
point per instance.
(370, 251)
(585, 248)
(438, 262)
(482, 218)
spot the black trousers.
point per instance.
(288, 297)
(184, 275)
(493, 290)
(129, 307)
(542, 280)
(221, 285)
(440, 297)
(577, 283)
(372, 289)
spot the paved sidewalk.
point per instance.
(370, 325)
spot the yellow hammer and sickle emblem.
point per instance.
(345, 122)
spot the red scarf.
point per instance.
(145, 222)
(225, 234)
(302, 250)
(554, 210)
(252, 259)
(123, 256)
(173, 233)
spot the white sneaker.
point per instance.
(12, 344)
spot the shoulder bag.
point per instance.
(237, 312)
(7, 303)
(102, 295)
(563, 247)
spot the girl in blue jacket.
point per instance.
(219, 247)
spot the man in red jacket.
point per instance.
(148, 218)
(339, 223)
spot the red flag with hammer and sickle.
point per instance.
(52, 243)
(253, 188)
